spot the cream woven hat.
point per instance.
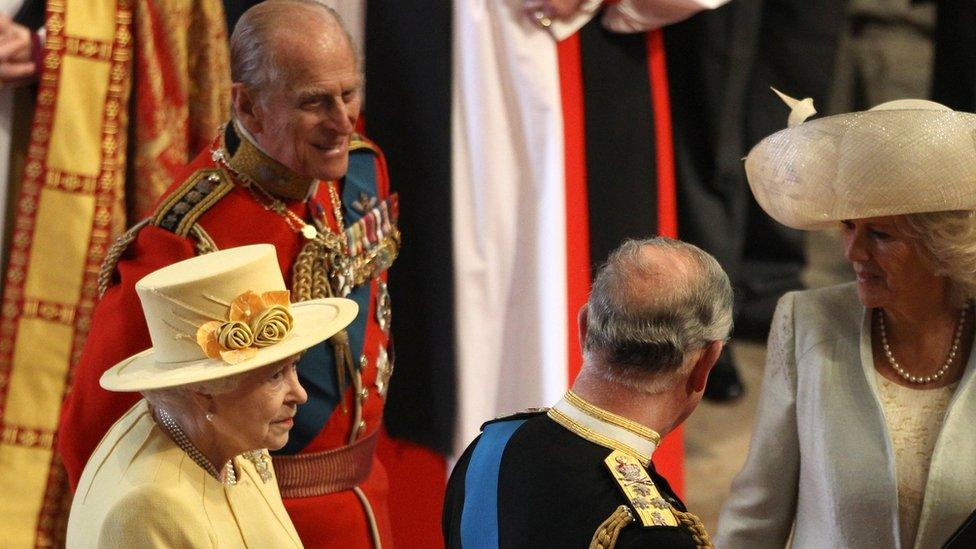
(221, 314)
(901, 157)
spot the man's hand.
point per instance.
(17, 64)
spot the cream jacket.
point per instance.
(141, 490)
(821, 459)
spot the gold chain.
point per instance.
(337, 212)
(272, 204)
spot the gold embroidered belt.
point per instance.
(320, 473)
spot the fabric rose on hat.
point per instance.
(253, 321)
(271, 326)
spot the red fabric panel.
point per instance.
(418, 477)
(577, 216)
(667, 215)
(669, 459)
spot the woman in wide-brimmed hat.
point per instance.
(864, 435)
(187, 466)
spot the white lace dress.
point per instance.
(914, 418)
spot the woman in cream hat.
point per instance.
(864, 435)
(187, 466)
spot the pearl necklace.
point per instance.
(945, 365)
(172, 429)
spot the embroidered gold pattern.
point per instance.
(639, 489)
(595, 437)
(613, 419)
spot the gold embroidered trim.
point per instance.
(357, 142)
(267, 172)
(613, 419)
(182, 208)
(595, 437)
(204, 243)
(639, 489)
(607, 533)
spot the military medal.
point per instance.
(384, 307)
(309, 232)
(384, 369)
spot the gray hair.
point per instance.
(253, 53)
(175, 398)
(948, 241)
(645, 318)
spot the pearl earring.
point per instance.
(209, 417)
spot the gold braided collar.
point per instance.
(605, 428)
(251, 162)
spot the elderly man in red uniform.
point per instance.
(288, 170)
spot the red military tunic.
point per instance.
(211, 208)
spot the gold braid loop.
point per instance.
(301, 284)
(607, 533)
(115, 252)
(204, 243)
(694, 526)
(313, 265)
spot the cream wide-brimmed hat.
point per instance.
(901, 157)
(221, 314)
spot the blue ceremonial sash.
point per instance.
(317, 371)
(479, 516)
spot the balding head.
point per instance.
(270, 37)
(652, 304)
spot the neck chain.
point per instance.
(270, 203)
(945, 365)
(297, 224)
(172, 429)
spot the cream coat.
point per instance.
(821, 459)
(141, 490)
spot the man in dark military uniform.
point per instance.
(582, 472)
(287, 170)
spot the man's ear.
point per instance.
(582, 319)
(246, 108)
(699, 372)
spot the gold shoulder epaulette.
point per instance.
(181, 209)
(639, 489)
(358, 142)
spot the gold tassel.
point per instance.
(345, 368)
